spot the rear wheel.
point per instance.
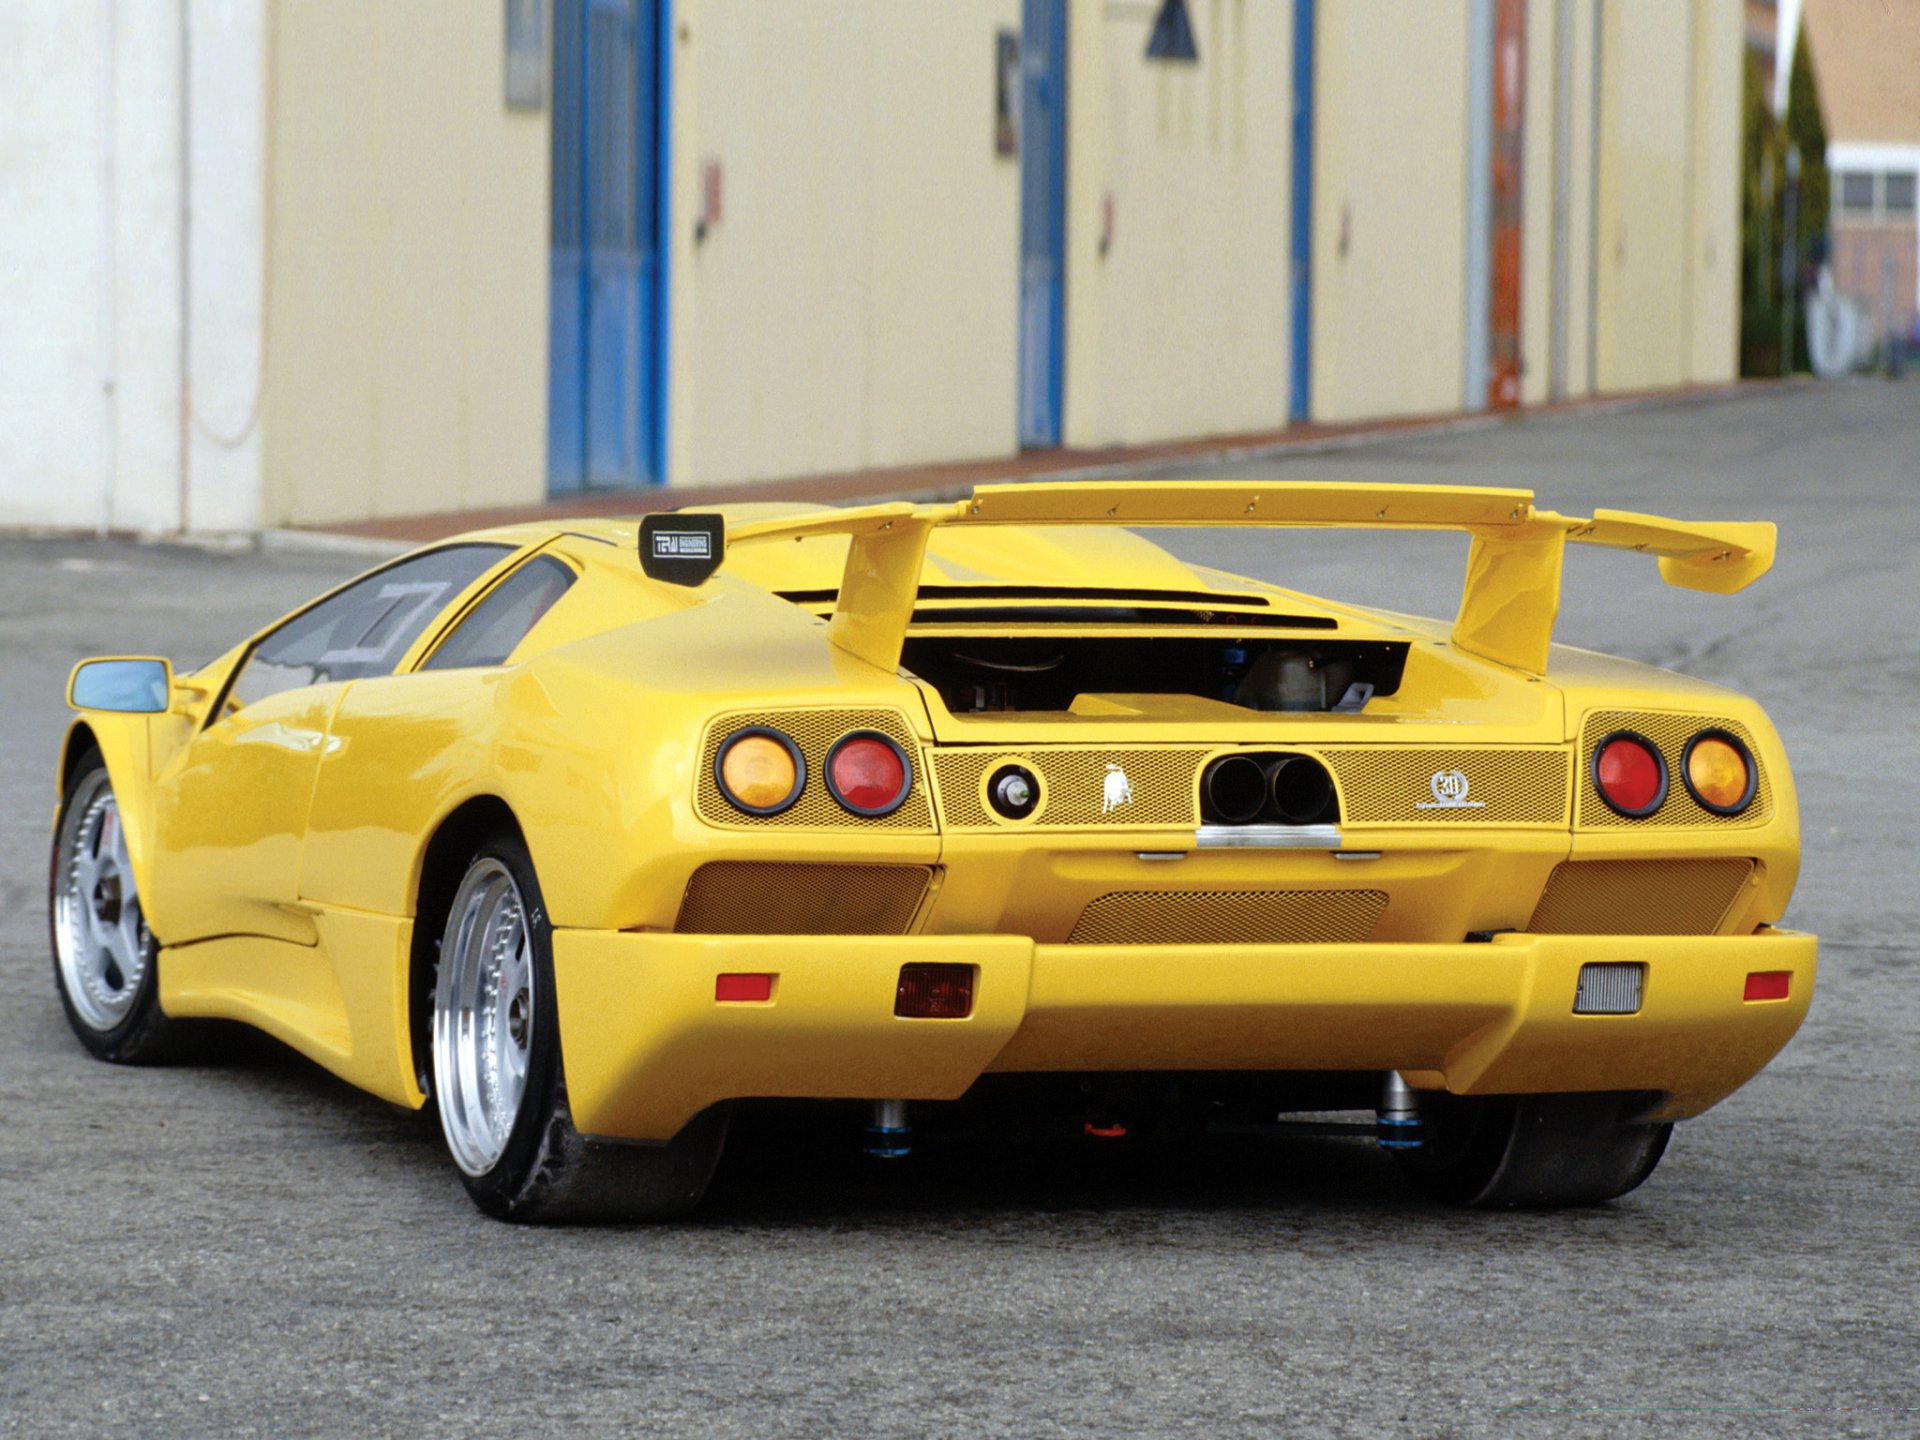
(1538, 1151)
(105, 959)
(499, 1083)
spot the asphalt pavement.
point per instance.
(250, 1248)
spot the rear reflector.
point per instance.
(743, 987)
(934, 992)
(1768, 984)
(1609, 989)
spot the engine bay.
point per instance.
(975, 673)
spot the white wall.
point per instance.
(93, 422)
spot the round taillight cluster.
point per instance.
(762, 772)
(868, 773)
(1719, 772)
(1630, 773)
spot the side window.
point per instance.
(501, 621)
(366, 628)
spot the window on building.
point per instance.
(1856, 192)
(1897, 196)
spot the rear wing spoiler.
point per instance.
(1507, 607)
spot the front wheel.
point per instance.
(498, 1081)
(1533, 1151)
(105, 959)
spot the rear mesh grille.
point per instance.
(1670, 733)
(1509, 786)
(1229, 917)
(814, 731)
(1162, 786)
(1639, 897)
(742, 897)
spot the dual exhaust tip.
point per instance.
(1275, 789)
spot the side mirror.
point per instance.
(128, 685)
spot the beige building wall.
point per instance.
(1537, 198)
(1644, 307)
(1714, 265)
(855, 304)
(1583, 154)
(1389, 217)
(1179, 177)
(1668, 233)
(406, 264)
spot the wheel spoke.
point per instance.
(482, 999)
(100, 946)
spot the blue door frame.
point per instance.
(1043, 219)
(1300, 366)
(606, 383)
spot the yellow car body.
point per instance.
(283, 846)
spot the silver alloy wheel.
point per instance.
(483, 1013)
(99, 935)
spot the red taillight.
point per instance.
(868, 774)
(743, 987)
(934, 992)
(1768, 984)
(1630, 774)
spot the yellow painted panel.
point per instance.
(647, 1046)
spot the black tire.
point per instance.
(115, 1021)
(547, 1172)
(1533, 1151)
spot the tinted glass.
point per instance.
(137, 687)
(366, 628)
(501, 621)
(1856, 191)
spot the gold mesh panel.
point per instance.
(742, 897)
(1229, 917)
(1164, 783)
(815, 732)
(1639, 897)
(1381, 786)
(1670, 733)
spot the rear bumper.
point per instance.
(647, 1046)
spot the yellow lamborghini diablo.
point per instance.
(584, 836)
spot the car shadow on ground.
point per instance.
(802, 1165)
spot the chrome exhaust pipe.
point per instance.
(1397, 1124)
(1299, 789)
(1233, 791)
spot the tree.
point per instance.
(1764, 289)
